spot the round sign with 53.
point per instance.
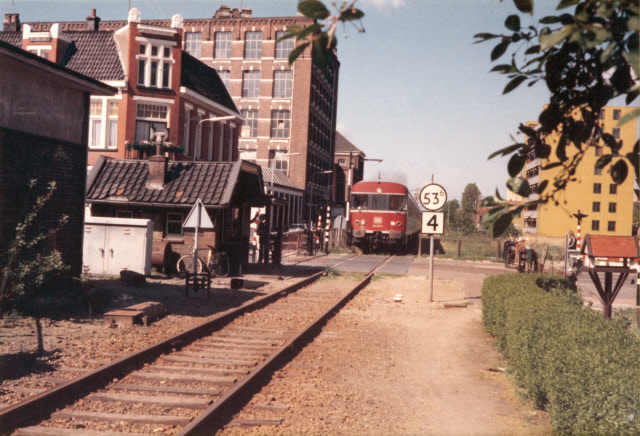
(433, 197)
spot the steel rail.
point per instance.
(220, 412)
(41, 406)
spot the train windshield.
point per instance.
(379, 202)
(360, 201)
(397, 202)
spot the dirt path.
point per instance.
(412, 367)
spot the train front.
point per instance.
(378, 215)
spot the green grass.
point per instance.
(333, 275)
(480, 248)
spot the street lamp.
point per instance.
(228, 117)
(311, 193)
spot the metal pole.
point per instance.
(431, 269)
(195, 245)
(566, 252)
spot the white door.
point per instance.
(94, 248)
(124, 249)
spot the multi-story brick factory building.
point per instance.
(289, 111)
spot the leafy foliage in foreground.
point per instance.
(321, 35)
(583, 369)
(586, 58)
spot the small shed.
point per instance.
(164, 192)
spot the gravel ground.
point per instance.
(393, 368)
(379, 367)
(69, 343)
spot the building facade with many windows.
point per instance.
(609, 207)
(162, 89)
(289, 112)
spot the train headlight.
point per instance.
(399, 223)
(393, 223)
(362, 222)
(357, 222)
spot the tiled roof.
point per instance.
(343, 145)
(13, 38)
(94, 54)
(204, 80)
(276, 177)
(610, 246)
(126, 181)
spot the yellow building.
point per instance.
(609, 206)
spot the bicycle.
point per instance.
(217, 263)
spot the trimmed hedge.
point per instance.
(581, 368)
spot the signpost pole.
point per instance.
(431, 239)
(195, 245)
(433, 197)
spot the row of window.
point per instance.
(611, 225)
(597, 188)
(280, 123)
(612, 207)
(616, 114)
(278, 159)
(252, 45)
(282, 84)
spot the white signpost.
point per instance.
(198, 218)
(433, 197)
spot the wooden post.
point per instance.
(498, 244)
(459, 245)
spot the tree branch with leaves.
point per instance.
(321, 35)
(586, 58)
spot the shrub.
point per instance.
(583, 369)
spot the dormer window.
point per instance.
(154, 64)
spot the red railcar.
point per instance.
(383, 215)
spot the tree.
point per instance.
(469, 208)
(586, 58)
(28, 264)
(450, 215)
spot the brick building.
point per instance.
(289, 111)
(349, 161)
(160, 87)
(43, 137)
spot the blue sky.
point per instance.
(414, 89)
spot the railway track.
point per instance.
(190, 383)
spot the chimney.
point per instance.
(157, 172)
(93, 22)
(11, 23)
(246, 13)
(223, 12)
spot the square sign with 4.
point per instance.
(432, 223)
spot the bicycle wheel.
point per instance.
(220, 265)
(186, 264)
